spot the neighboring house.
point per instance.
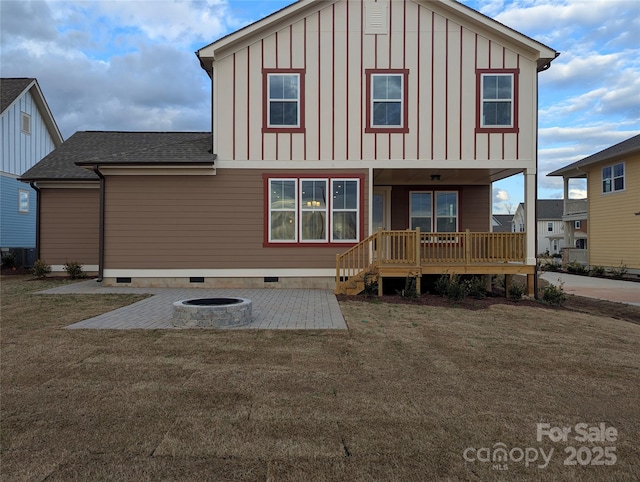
(501, 223)
(29, 132)
(550, 225)
(338, 127)
(613, 204)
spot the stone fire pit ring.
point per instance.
(222, 312)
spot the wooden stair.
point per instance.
(357, 284)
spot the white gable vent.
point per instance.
(376, 18)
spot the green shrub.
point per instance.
(618, 272)
(9, 260)
(597, 271)
(575, 267)
(476, 287)
(410, 288)
(451, 287)
(40, 269)
(74, 269)
(554, 295)
(370, 285)
(516, 291)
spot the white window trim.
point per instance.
(344, 210)
(445, 237)
(373, 101)
(269, 100)
(511, 100)
(312, 209)
(20, 193)
(295, 211)
(613, 178)
(431, 218)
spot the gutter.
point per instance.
(38, 193)
(96, 170)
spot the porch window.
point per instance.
(284, 103)
(422, 211)
(304, 210)
(387, 108)
(497, 92)
(613, 178)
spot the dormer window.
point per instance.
(284, 100)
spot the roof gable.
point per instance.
(12, 89)
(236, 40)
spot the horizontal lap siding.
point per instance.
(441, 55)
(69, 225)
(198, 222)
(614, 229)
(474, 206)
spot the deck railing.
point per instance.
(413, 248)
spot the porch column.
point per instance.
(568, 232)
(530, 215)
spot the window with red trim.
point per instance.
(318, 210)
(387, 109)
(497, 91)
(283, 92)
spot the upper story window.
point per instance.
(23, 201)
(313, 210)
(550, 226)
(25, 123)
(578, 225)
(387, 109)
(284, 100)
(497, 107)
(613, 178)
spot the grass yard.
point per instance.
(402, 395)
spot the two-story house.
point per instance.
(552, 227)
(29, 132)
(348, 136)
(612, 208)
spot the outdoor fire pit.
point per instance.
(212, 313)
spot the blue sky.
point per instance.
(130, 65)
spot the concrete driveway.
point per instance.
(603, 289)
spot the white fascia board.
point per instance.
(379, 164)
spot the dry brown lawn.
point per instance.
(400, 396)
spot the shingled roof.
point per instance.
(548, 209)
(101, 148)
(10, 90)
(616, 151)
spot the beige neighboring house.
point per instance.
(348, 138)
(613, 205)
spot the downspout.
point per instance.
(96, 169)
(38, 193)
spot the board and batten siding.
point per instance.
(17, 229)
(21, 151)
(441, 55)
(69, 225)
(614, 227)
(201, 222)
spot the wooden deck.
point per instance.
(400, 254)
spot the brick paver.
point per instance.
(273, 309)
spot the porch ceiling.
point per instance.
(447, 176)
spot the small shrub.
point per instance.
(618, 272)
(476, 287)
(410, 288)
(451, 287)
(40, 269)
(575, 267)
(516, 291)
(554, 295)
(74, 269)
(370, 285)
(9, 260)
(597, 271)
